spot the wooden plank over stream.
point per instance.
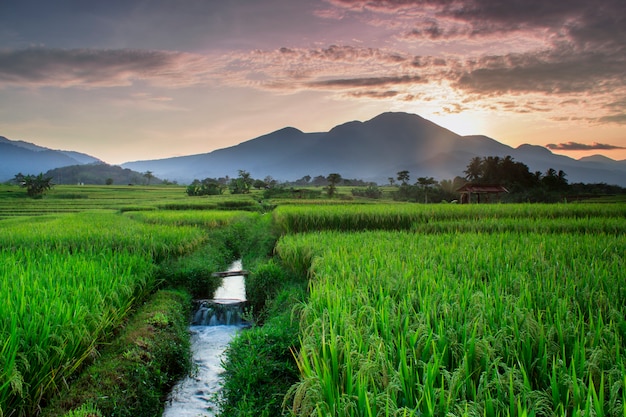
(230, 273)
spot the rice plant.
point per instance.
(67, 281)
(499, 323)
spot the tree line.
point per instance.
(522, 184)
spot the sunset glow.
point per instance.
(147, 79)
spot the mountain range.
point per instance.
(374, 150)
(17, 156)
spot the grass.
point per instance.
(412, 310)
(132, 374)
(71, 279)
(496, 324)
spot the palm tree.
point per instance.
(474, 169)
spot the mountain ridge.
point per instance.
(18, 156)
(371, 150)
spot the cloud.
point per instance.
(89, 68)
(566, 49)
(368, 82)
(374, 94)
(598, 21)
(550, 72)
(575, 146)
(619, 118)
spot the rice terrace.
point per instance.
(355, 306)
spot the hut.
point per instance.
(486, 190)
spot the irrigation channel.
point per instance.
(214, 324)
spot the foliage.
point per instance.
(514, 175)
(290, 192)
(403, 177)
(516, 217)
(68, 282)
(262, 285)
(208, 186)
(402, 323)
(134, 373)
(36, 185)
(333, 179)
(371, 191)
(148, 176)
(259, 369)
(98, 174)
(85, 410)
(259, 363)
(241, 184)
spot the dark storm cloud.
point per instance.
(96, 68)
(575, 146)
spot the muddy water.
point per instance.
(195, 395)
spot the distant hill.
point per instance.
(373, 151)
(28, 158)
(98, 174)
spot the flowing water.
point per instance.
(214, 324)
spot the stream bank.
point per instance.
(131, 374)
(215, 322)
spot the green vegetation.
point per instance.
(356, 309)
(100, 174)
(69, 281)
(474, 322)
(131, 375)
(36, 185)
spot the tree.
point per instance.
(474, 169)
(148, 175)
(319, 180)
(241, 184)
(391, 180)
(425, 183)
(304, 180)
(269, 181)
(35, 186)
(403, 177)
(333, 179)
(258, 184)
(208, 186)
(554, 181)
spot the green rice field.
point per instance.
(525, 316)
(70, 277)
(412, 310)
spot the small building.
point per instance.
(486, 190)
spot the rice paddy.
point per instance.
(413, 310)
(70, 278)
(507, 321)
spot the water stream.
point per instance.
(214, 324)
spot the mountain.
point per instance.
(373, 150)
(28, 158)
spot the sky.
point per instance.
(127, 80)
